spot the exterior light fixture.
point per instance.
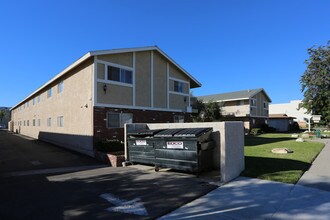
(105, 88)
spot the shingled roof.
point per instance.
(232, 96)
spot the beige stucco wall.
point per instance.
(74, 103)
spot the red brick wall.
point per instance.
(101, 131)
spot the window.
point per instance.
(178, 86)
(49, 122)
(49, 93)
(39, 122)
(34, 101)
(265, 105)
(27, 104)
(120, 75)
(178, 119)
(253, 102)
(38, 98)
(33, 122)
(60, 87)
(27, 123)
(24, 123)
(60, 121)
(240, 102)
(117, 120)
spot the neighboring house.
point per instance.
(292, 110)
(249, 106)
(95, 96)
(281, 122)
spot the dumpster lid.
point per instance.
(168, 132)
(192, 132)
(144, 132)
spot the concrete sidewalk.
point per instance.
(248, 198)
(318, 175)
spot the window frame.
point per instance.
(179, 87)
(49, 93)
(120, 123)
(121, 75)
(60, 87)
(49, 122)
(178, 118)
(60, 121)
(253, 103)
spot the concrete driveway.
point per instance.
(41, 181)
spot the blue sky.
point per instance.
(226, 45)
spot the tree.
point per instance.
(2, 115)
(315, 83)
(207, 112)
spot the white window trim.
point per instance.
(267, 106)
(120, 118)
(59, 123)
(168, 85)
(105, 80)
(137, 107)
(58, 87)
(49, 122)
(181, 81)
(51, 93)
(115, 83)
(179, 93)
(114, 65)
(95, 81)
(152, 78)
(133, 78)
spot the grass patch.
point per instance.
(261, 163)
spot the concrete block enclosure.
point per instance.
(228, 154)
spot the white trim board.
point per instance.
(179, 80)
(179, 93)
(115, 65)
(115, 83)
(137, 107)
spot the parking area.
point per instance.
(42, 181)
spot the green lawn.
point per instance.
(261, 163)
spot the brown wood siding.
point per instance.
(125, 59)
(160, 81)
(143, 79)
(115, 94)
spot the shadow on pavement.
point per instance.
(77, 195)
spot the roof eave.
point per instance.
(70, 67)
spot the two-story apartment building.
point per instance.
(96, 95)
(250, 106)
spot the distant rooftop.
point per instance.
(232, 96)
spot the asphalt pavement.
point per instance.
(41, 181)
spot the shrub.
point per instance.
(256, 131)
(108, 145)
